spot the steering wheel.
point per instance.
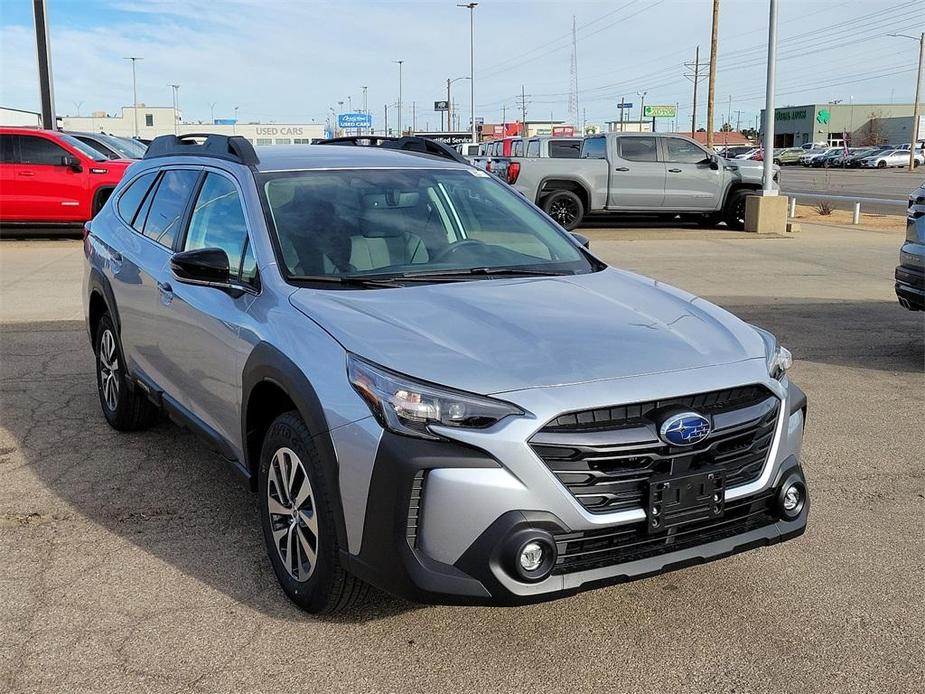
(454, 247)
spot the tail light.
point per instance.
(488, 166)
(513, 171)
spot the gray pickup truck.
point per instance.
(641, 173)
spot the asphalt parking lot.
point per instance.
(885, 184)
(135, 562)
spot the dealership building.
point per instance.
(165, 120)
(860, 124)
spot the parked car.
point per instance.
(910, 273)
(808, 146)
(788, 156)
(855, 156)
(833, 157)
(750, 154)
(414, 368)
(552, 146)
(890, 158)
(111, 146)
(469, 150)
(732, 151)
(647, 173)
(52, 178)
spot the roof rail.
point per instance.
(412, 144)
(231, 147)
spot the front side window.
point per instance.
(684, 152)
(387, 223)
(638, 148)
(168, 205)
(218, 221)
(594, 148)
(39, 150)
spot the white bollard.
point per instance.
(793, 208)
(856, 217)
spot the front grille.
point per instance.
(593, 549)
(606, 457)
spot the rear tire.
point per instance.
(296, 513)
(565, 207)
(734, 212)
(125, 409)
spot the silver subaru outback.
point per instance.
(431, 386)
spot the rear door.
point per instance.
(44, 188)
(690, 183)
(638, 174)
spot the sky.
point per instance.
(294, 60)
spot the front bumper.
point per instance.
(442, 517)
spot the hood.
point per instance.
(495, 335)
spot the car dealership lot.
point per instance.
(888, 184)
(136, 562)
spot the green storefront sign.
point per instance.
(659, 111)
(790, 115)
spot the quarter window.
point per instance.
(168, 205)
(684, 152)
(130, 200)
(564, 149)
(594, 148)
(638, 148)
(517, 150)
(218, 222)
(7, 151)
(533, 148)
(38, 150)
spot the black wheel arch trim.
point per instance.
(735, 188)
(98, 283)
(542, 193)
(268, 364)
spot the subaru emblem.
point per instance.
(684, 429)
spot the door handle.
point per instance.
(26, 173)
(674, 170)
(164, 288)
(622, 168)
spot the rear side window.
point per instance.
(638, 148)
(7, 149)
(564, 150)
(518, 149)
(38, 150)
(218, 221)
(533, 148)
(131, 199)
(594, 148)
(168, 205)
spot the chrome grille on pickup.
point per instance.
(605, 457)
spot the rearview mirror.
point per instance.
(582, 239)
(206, 266)
(72, 162)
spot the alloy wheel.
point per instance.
(564, 211)
(109, 370)
(293, 514)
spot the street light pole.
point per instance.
(916, 111)
(642, 108)
(471, 7)
(46, 83)
(364, 102)
(399, 94)
(134, 59)
(212, 113)
(176, 104)
(767, 178)
(234, 126)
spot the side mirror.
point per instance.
(582, 239)
(205, 266)
(72, 162)
(714, 163)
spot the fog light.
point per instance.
(531, 556)
(792, 498)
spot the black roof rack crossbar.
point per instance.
(412, 144)
(231, 147)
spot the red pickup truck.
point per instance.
(50, 178)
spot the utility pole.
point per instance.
(386, 131)
(46, 83)
(212, 113)
(523, 111)
(365, 106)
(642, 108)
(916, 107)
(504, 117)
(738, 120)
(234, 126)
(135, 59)
(622, 111)
(399, 94)
(176, 104)
(711, 83)
(413, 116)
(695, 78)
(449, 106)
(471, 7)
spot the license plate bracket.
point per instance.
(678, 500)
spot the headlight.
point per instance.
(779, 358)
(406, 406)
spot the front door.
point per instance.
(690, 183)
(46, 189)
(637, 179)
(205, 342)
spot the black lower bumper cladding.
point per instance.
(584, 560)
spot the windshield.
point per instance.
(400, 223)
(83, 148)
(127, 148)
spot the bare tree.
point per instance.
(872, 132)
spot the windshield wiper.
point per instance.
(366, 282)
(493, 271)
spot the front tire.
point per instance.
(297, 516)
(734, 212)
(881, 164)
(125, 409)
(565, 207)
